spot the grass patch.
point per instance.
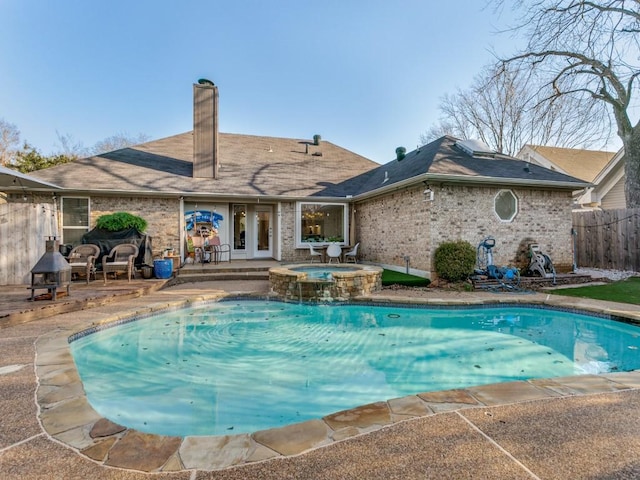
(391, 277)
(624, 291)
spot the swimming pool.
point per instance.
(243, 366)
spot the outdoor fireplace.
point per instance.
(52, 270)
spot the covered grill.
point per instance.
(52, 270)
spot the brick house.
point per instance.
(270, 197)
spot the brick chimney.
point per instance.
(205, 129)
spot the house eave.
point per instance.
(434, 177)
(465, 179)
(201, 195)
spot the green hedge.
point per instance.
(455, 261)
(115, 222)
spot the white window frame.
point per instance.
(298, 223)
(87, 227)
(516, 210)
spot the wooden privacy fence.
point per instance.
(608, 239)
(24, 228)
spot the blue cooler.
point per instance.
(163, 268)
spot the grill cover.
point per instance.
(106, 240)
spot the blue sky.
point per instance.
(364, 74)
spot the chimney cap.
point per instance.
(204, 81)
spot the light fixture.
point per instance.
(428, 194)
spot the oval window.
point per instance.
(505, 205)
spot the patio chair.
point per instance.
(120, 259)
(83, 260)
(217, 249)
(334, 252)
(352, 255)
(313, 253)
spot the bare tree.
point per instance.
(9, 142)
(588, 50)
(504, 108)
(118, 141)
(69, 147)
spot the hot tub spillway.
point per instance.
(324, 282)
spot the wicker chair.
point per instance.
(120, 259)
(83, 260)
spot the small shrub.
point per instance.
(121, 221)
(454, 261)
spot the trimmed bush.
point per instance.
(455, 261)
(121, 221)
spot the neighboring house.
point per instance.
(270, 197)
(587, 165)
(607, 192)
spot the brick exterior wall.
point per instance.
(162, 216)
(402, 223)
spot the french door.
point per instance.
(263, 228)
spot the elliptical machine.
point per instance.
(485, 265)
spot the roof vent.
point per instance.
(204, 81)
(475, 148)
(316, 139)
(400, 153)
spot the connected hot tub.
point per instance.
(325, 282)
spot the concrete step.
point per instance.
(210, 276)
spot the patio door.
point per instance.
(263, 247)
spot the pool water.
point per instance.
(247, 365)
(324, 271)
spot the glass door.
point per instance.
(264, 232)
(239, 227)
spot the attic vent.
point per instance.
(316, 139)
(400, 153)
(475, 148)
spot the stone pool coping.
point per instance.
(67, 416)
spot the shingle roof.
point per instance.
(583, 164)
(442, 160)
(248, 165)
(282, 167)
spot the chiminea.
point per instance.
(52, 270)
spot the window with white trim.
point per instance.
(505, 204)
(321, 222)
(75, 219)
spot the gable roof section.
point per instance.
(442, 161)
(582, 164)
(249, 166)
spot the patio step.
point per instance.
(210, 276)
(222, 271)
